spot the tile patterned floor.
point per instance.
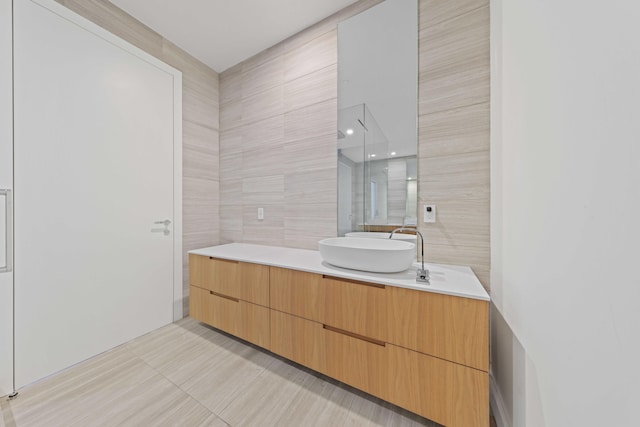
(187, 374)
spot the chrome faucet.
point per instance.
(422, 274)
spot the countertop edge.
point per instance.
(321, 267)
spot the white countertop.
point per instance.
(445, 279)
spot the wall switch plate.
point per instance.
(429, 213)
(260, 214)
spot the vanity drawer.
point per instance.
(357, 307)
(442, 391)
(296, 292)
(444, 326)
(355, 360)
(298, 339)
(358, 361)
(234, 316)
(246, 281)
(354, 306)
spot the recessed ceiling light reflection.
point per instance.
(373, 155)
(393, 153)
(349, 131)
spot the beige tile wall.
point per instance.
(200, 122)
(278, 145)
(453, 131)
(278, 121)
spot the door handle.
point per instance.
(8, 224)
(164, 230)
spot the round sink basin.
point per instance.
(365, 254)
(382, 235)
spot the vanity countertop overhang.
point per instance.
(445, 279)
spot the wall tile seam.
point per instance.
(280, 114)
(283, 84)
(208, 125)
(446, 110)
(472, 258)
(194, 144)
(485, 100)
(281, 54)
(455, 155)
(422, 27)
(445, 69)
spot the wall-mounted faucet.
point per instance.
(422, 274)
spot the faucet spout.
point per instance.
(422, 274)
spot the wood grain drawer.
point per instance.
(245, 281)
(444, 326)
(237, 317)
(298, 339)
(357, 361)
(295, 292)
(445, 392)
(354, 306)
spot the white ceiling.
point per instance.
(222, 33)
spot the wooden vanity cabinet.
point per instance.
(445, 326)
(349, 358)
(423, 351)
(231, 296)
(354, 306)
(445, 392)
(235, 279)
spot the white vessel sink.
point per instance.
(375, 255)
(381, 235)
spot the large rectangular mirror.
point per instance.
(377, 116)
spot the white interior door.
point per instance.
(94, 161)
(6, 173)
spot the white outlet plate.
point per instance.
(429, 213)
(260, 213)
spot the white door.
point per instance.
(94, 147)
(6, 172)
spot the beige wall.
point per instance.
(278, 143)
(200, 122)
(278, 122)
(453, 131)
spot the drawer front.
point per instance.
(254, 325)
(219, 311)
(236, 317)
(245, 281)
(298, 339)
(354, 306)
(357, 361)
(254, 287)
(295, 292)
(221, 276)
(357, 307)
(445, 392)
(444, 326)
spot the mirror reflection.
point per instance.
(377, 110)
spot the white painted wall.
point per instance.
(565, 210)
